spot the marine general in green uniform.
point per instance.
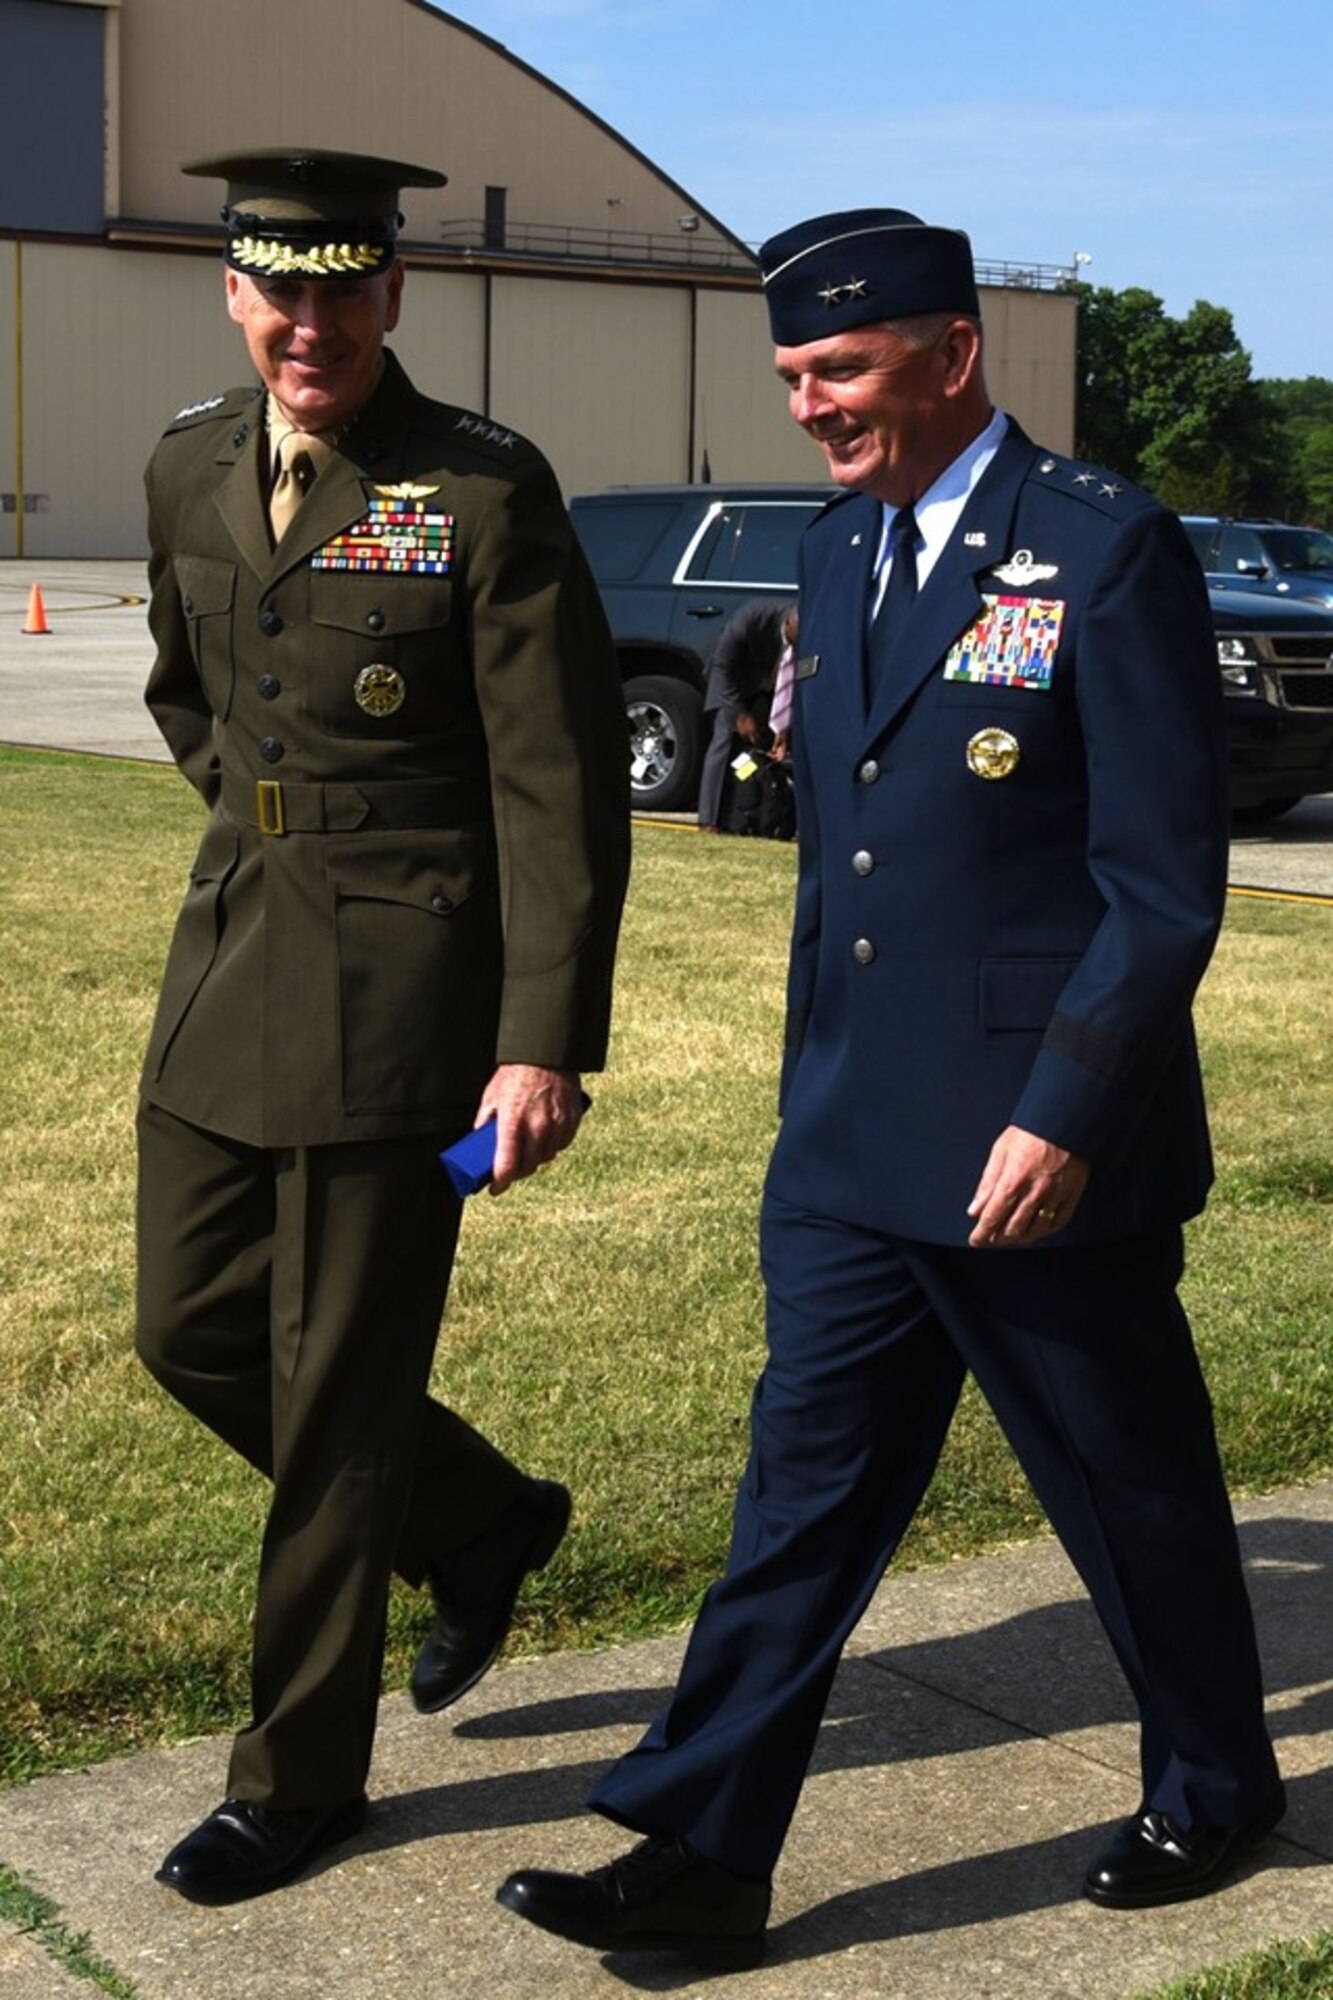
(383, 664)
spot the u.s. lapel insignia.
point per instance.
(406, 491)
(807, 668)
(1021, 569)
(974, 539)
(993, 753)
(1012, 644)
(380, 690)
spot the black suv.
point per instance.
(673, 562)
(1270, 556)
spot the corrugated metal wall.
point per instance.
(378, 76)
(599, 375)
(628, 378)
(1031, 343)
(115, 341)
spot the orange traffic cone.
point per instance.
(35, 623)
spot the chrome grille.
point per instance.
(1309, 690)
(1301, 649)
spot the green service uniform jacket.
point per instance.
(408, 724)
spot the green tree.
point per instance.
(1314, 462)
(1171, 401)
(1121, 345)
(1303, 400)
(1302, 410)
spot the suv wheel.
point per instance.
(664, 731)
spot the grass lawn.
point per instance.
(1302, 1970)
(605, 1322)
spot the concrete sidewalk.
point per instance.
(977, 1748)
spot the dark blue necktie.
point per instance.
(899, 596)
(902, 577)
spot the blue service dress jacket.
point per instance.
(1012, 858)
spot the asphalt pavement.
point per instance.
(979, 1744)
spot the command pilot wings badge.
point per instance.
(408, 490)
(1021, 569)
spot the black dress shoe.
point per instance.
(243, 1849)
(474, 1594)
(1152, 1860)
(661, 1896)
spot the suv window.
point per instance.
(754, 546)
(766, 543)
(617, 540)
(1240, 545)
(1201, 541)
(1300, 548)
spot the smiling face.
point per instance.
(316, 343)
(888, 411)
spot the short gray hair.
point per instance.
(924, 329)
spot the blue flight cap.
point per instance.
(861, 265)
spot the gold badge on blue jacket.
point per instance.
(1012, 644)
(993, 753)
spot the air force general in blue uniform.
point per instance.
(1013, 820)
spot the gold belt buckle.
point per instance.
(268, 806)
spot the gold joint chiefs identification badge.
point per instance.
(380, 690)
(993, 753)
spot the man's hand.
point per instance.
(1029, 1190)
(746, 727)
(536, 1111)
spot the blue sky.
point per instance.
(1186, 145)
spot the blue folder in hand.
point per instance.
(470, 1161)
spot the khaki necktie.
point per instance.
(299, 458)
